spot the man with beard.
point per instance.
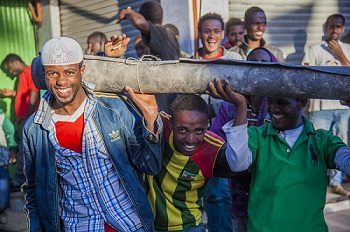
(255, 21)
(85, 155)
(288, 160)
(330, 114)
(235, 31)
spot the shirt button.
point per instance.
(288, 150)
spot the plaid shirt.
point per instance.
(90, 192)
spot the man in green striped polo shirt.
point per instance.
(192, 156)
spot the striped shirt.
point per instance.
(90, 192)
(175, 193)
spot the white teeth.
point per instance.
(63, 90)
(277, 116)
(259, 33)
(189, 147)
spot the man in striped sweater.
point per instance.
(192, 156)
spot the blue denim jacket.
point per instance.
(138, 151)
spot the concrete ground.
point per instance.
(338, 221)
(337, 213)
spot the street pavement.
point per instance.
(337, 213)
(338, 221)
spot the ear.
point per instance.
(223, 34)
(303, 102)
(343, 29)
(82, 69)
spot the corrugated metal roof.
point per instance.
(79, 18)
(293, 25)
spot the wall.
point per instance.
(79, 18)
(17, 36)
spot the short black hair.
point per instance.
(189, 102)
(152, 11)
(172, 28)
(210, 15)
(234, 22)
(251, 10)
(97, 36)
(10, 58)
(336, 16)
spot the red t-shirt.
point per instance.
(216, 57)
(25, 86)
(70, 134)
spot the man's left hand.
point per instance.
(147, 104)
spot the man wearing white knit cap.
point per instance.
(85, 156)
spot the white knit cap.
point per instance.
(61, 51)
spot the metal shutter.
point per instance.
(79, 18)
(293, 25)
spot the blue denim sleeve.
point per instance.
(31, 208)
(153, 149)
(342, 159)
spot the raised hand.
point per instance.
(216, 90)
(123, 13)
(147, 104)
(116, 45)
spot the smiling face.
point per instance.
(335, 28)
(211, 35)
(236, 34)
(64, 82)
(285, 112)
(256, 26)
(189, 128)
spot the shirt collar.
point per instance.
(45, 111)
(308, 128)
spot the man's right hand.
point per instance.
(123, 14)
(216, 90)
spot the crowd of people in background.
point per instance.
(155, 162)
